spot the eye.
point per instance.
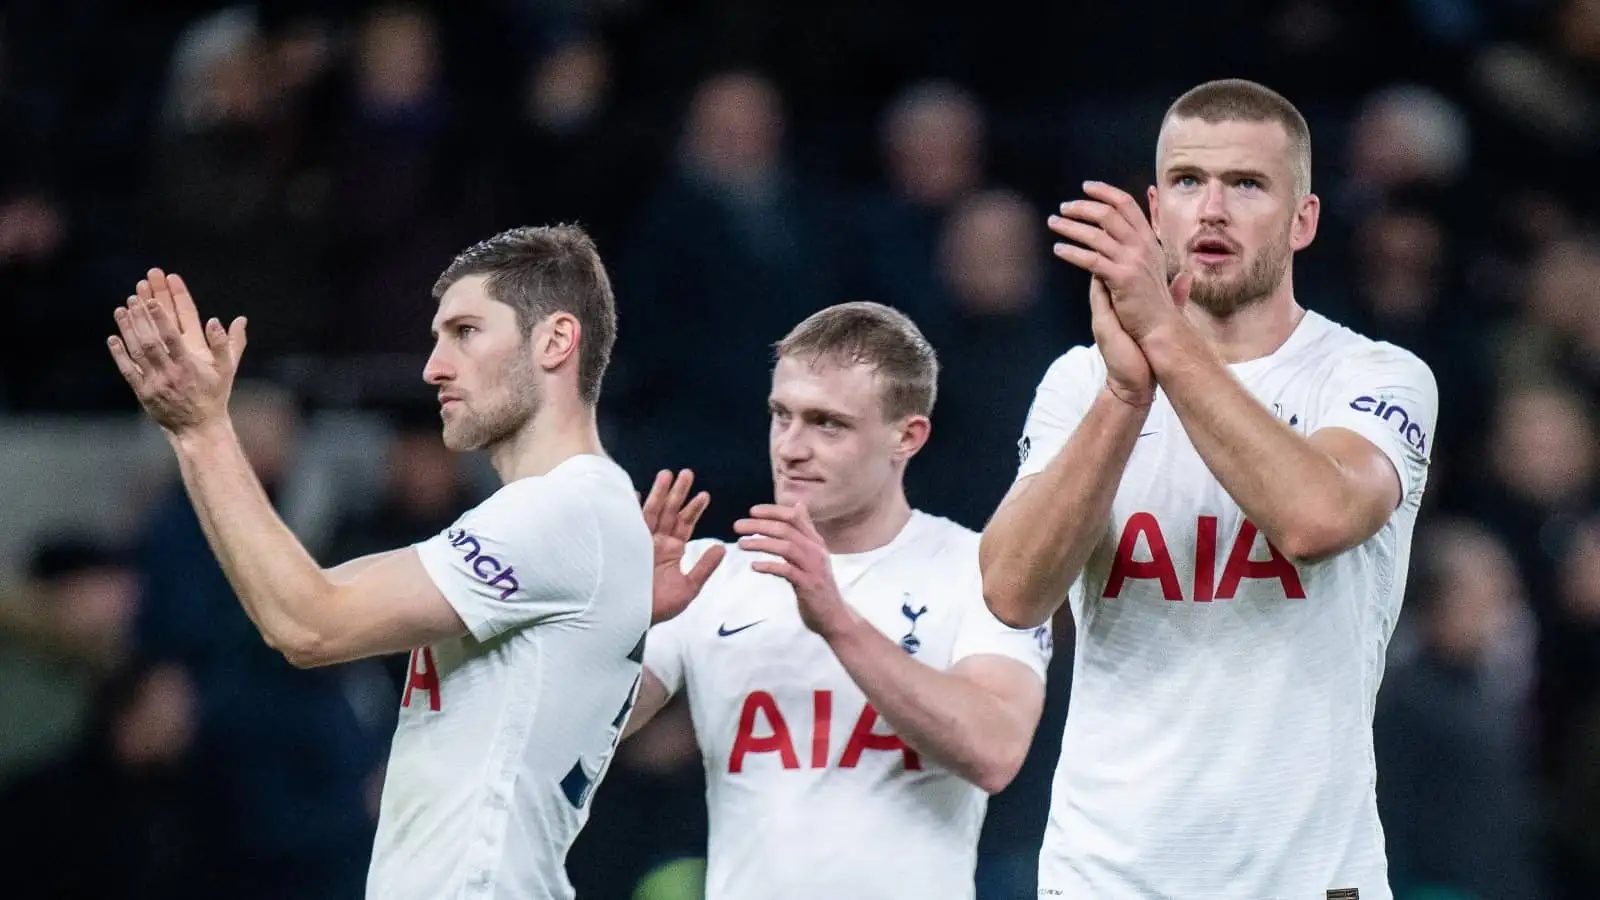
(830, 426)
(463, 331)
(1250, 184)
(1186, 181)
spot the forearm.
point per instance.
(275, 578)
(1295, 493)
(1038, 542)
(652, 698)
(962, 725)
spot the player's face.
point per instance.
(483, 366)
(830, 444)
(1226, 208)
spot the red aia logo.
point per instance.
(780, 742)
(1207, 586)
(424, 676)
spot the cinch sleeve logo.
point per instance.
(1394, 415)
(485, 568)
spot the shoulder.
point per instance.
(1074, 366)
(1343, 351)
(585, 495)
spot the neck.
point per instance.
(558, 432)
(871, 528)
(1252, 331)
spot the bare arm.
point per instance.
(977, 719)
(1041, 536)
(382, 603)
(182, 372)
(652, 699)
(1313, 497)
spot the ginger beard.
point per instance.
(496, 415)
(1224, 294)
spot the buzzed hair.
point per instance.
(874, 335)
(1238, 100)
(542, 270)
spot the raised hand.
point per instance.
(1112, 240)
(671, 523)
(787, 533)
(181, 371)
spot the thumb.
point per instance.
(1180, 288)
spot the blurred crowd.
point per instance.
(314, 165)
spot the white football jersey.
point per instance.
(810, 793)
(504, 733)
(1219, 738)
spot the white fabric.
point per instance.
(1219, 738)
(797, 808)
(504, 733)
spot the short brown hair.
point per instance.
(875, 335)
(1238, 100)
(542, 270)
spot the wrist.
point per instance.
(1165, 343)
(840, 625)
(1135, 400)
(202, 438)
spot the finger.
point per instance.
(767, 527)
(772, 511)
(1124, 204)
(130, 370)
(691, 514)
(162, 293)
(707, 564)
(1091, 236)
(130, 336)
(1101, 215)
(657, 501)
(774, 546)
(802, 520)
(1082, 257)
(183, 302)
(144, 330)
(166, 327)
(678, 494)
(236, 340)
(1180, 288)
(774, 567)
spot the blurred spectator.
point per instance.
(1575, 705)
(1558, 334)
(298, 751)
(58, 639)
(128, 813)
(235, 200)
(1541, 472)
(576, 154)
(1452, 736)
(410, 188)
(730, 255)
(1002, 327)
(933, 140)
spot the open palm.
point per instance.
(671, 518)
(181, 371)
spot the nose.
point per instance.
(1213, 206)
(438, 369)
(789, 444)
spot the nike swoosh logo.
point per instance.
(1148, 433)
(724, 631)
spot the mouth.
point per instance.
(798, 479)
(1213, 251)
(446, 399)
